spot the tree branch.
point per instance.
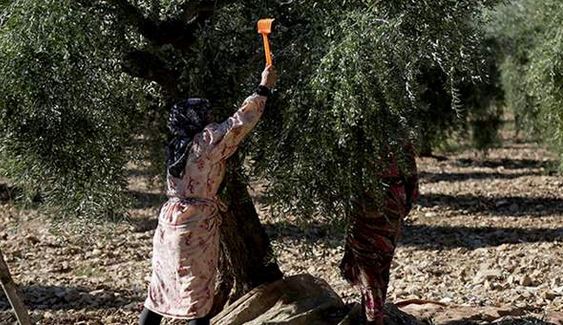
(145, 65)
(179, 31)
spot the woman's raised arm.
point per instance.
(225, 137)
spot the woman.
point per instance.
(186, 241)
(373, 236)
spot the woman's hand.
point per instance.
(269, 77)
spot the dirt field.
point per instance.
(486, 232)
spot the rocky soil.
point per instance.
(487, 231)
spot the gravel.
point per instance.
(487, 231)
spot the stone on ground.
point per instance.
(299, 300)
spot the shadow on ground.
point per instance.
(511, 321)
(423, 236)
(496, 206)
(436, 237)
(143, 200)
(330, 235)
(144, 224)
(505, 163)
(458, 177)
(140, 172)
(65, 298)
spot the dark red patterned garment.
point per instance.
(372, 238)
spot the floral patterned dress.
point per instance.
(186, 241)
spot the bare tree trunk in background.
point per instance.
(12, 293)
(247, 259)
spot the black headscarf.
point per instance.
(186, 119)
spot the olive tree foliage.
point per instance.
(474, 119)
(67, 111)
(350, 92)
(84, 89)
(86, 85)
(531, 37)
(353, 105)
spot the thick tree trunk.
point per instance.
(12, 293)
(247, 256)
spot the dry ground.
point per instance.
(486, 232)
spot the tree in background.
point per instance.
(473, 111)
(530, 35)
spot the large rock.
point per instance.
(300, 300)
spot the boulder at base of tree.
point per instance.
(301, 299)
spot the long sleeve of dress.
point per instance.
(220, 141)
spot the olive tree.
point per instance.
(531, 65)
(85, 87)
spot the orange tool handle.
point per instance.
(267, 51)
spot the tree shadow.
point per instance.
(143, 200)
(64, 298)
(439, 237)
(505, 163)
(328, 234)
(457, 177)
(141, 172)
(143, 224)
(508, 321)
(496, 206)
(422, 236)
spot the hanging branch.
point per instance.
(142, 64)
(177, 31)
(12, 293)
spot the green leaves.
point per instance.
(66, 108)
(352, 86)
(354, 102)
(532, 72)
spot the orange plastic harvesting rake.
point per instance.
(265, 28)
